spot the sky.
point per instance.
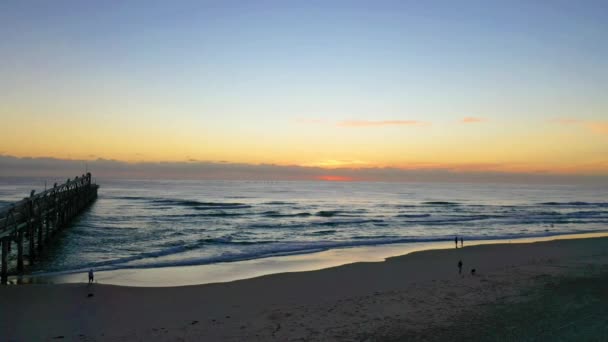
(473, 87)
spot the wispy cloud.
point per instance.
(310, 121)
(333, 163)
(471, 119)
(360, 123)
(596, 127)
(50, 168)
(369, 123)
(567, 121)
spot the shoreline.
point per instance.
(418, 296)
(173, 276)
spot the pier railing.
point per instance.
(36, 218)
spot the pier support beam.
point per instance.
(40, 228)
(4, 272)
(47, 232)
(31, 240)
(20, 251)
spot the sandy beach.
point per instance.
(418, 296)
(253, 171)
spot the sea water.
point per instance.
(154, 223)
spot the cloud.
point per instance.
(368, 123)
(333, 163)
(471, 119)
(597, 127)
(52, 169)
(361, 123)
(310, 121)
(567, 121)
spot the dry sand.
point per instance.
(416, 296)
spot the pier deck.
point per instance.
(38, 217)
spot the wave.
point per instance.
(135, 198)
(273, 249)
(278, 214)
(453, 220)
(332, 213)
(518, 217)
(347, 222)
(218, 214)
(580, 217)
(175, 248)
(383, 237)
(176, 202)
(229, 241)
(220, 206)
(187, 203)
(567, 215)
(576, 203)
(193, 203)
(323, 232)
(441, 203)
(279, 203)
(413, 215)
(265, 250)
(313, 224)
(583, 214)
(327, 213)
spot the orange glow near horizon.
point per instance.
(333, 178)
(495, 146)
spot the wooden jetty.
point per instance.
(38, 217)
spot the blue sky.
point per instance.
(242, 80)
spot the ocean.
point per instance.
(153, 224)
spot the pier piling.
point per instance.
(4, 274)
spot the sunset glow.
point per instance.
(335, 178)
(270, 85)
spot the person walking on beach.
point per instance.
(460, 267)
(456, 241)
(91, 276)
(461, 242)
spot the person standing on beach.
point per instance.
(456, 241)
(91, 276)
(461, 242)
(460, 267)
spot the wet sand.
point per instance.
(416, 296)
(238, 270)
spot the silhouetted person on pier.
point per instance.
(460, 267)
(91, 276)
(461, 242)
(456, 241)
